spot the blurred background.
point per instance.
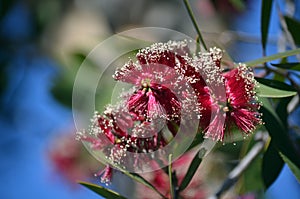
(42, 46)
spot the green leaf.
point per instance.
(279, 134)
(290, 66)
(191, 171)
(238, 4)
(104, 192)
(292, 166)
(273, 57)
(267, 91)
(171, 176)
(275, 84)
(294, 28)
(272, 165)
(282, 111)
(265, 20)
(251, 178)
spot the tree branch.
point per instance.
(242, 166)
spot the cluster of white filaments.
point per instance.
(247, 75)
(205, 63)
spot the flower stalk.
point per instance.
(191, 14)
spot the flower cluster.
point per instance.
(169, 81)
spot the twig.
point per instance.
(240, 168)
(188, 7)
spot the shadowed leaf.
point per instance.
(272, 165)
(191, 171)
(265, 20)
(294, 28)
(290, 66)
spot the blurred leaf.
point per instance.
(63, 84)
(265, 20)
(238, 4)
(3, 79)
(104, 192)
(275, 84)
(191, 171)
(292, 166)
(251, 178)
(290, 66)
(273, 57)
(279, 134)
(5, 6)
(267, 91)
(171, 177)
(294, 28)
(271, 166)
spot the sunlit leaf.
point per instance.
(292, 166)
(272, 165)
(265, 20)
(294, 28)
(273, 57)
(104, 192)
(267, 91)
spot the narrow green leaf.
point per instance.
(265, 20)
(290, 66)
(282, 111)
(292, 166)
(267, 91)
(294, 28)
(171, 177)
(272, 165)
(275, 84)
(104, 192)
(191, 171)
(273, 57)
(279, 134)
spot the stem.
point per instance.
(188, 7)
(171, 177)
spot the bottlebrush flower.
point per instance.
(116, 134)
(241, 106)
(242, 103)
(162, 89)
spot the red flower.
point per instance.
(242, 103)
(240, 108)
(162, 89)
